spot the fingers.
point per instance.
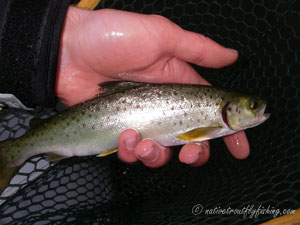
(127, 142)
(152, 154)
(149, 152)
(201, 50)
(238, 145)
(195, 154)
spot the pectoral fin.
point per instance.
(199, 133)
(108, 152)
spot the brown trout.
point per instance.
(171, 114)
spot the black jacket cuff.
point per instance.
(29, 44)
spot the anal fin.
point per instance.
(53, 157)
(108, 152)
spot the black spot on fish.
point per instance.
(180, 122)
(51, 138)
(175, 93)
(82, 113)
(67, 135)
(198, 120)
(207, 104)
(75, 132)
(118, 108)
(229, 108)
(137, 106)
(172, 108)
(68, 123)
(124, 101)
(94, 127)
(217, 103)
(210, 96)
(182, 98)
(222, 98)
(185, 114)
(83, 125)
(90, 115)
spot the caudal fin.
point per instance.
(7, 171)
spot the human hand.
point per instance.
(106, 45)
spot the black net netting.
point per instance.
(92, 190)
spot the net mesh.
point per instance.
(90, 190)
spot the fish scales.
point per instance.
(92, 127)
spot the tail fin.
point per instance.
(7, 170)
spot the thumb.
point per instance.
(201, 50)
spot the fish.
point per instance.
(171, 114)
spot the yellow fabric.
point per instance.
(290, 219)
(88, 4)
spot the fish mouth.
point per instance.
(261, 116)
(261, 120)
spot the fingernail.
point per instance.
(233, 50)
(149, 155)
(192, 159)
(130, 143)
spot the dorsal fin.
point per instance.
(111, 87)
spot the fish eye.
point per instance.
(253, 105)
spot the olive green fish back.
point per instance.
(93, 190)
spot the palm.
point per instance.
(123, 46)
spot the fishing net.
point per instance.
(92, 190)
